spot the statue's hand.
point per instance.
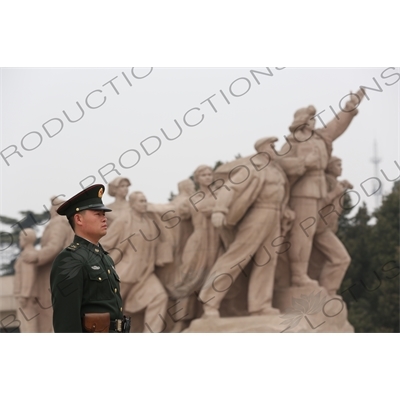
(218, 219)
(354, 102)
(312, 160)
(360, 94)
(207, 212)
(23, 301)
(346, 184)
(30, 256)
(301, 167)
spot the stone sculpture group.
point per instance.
(248, 247)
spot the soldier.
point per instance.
(84, 283)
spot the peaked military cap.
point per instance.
(87, 199)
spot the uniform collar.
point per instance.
(80, 241)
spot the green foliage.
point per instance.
(29, 219)
(371, 285)
(172, 195)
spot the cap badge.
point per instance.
(101, 191)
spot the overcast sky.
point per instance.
(221, 112)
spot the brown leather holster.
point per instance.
(96, 322)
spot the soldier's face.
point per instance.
(92, 224)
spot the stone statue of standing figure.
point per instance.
(308, 189)
(137, 243)
(118, 188)
(329, 258)
(25, 283)
(252, 204)
(56, 236)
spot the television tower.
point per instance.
(376, 160)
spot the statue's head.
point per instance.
(334, 166)
(55, 202)
(118, 184)
(302, 117)
(138, 202)
(203, 174)
(186, 186)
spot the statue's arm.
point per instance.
(227, 195)
(183, 209)
(339, 124)
(339, 188)
(160, 208)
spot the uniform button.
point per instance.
(96, 250)
(108, 271)
(115, 290)
(120, 309)
(99, 279)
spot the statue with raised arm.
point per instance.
(313, 147)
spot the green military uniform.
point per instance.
(83, 280)
(84, 283)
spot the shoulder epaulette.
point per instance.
(72, 247)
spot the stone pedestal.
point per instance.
(311, 309)
(308, 309)
(8, 305)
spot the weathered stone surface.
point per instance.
(306, 309)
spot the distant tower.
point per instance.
(376, 160)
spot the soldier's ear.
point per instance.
(78, 218)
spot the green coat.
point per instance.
(83, 280)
